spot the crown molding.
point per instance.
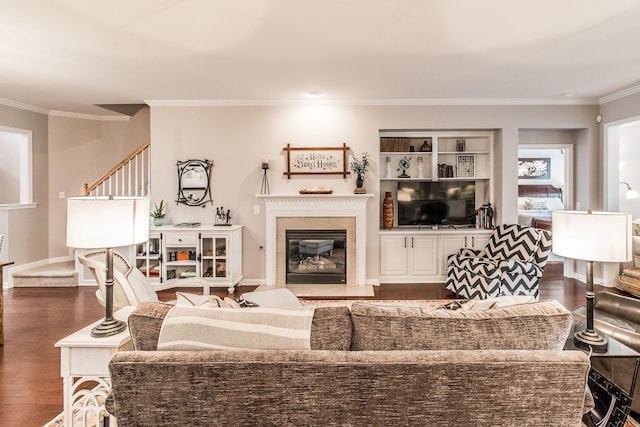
(21, 106)
(620, 94)
(40, 110)
(58, 113)
(371, 102)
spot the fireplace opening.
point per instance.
(316, 256)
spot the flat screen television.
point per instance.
(436, 203)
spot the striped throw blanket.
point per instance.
(259, 328)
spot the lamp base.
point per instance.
(591, 340)
(108, 327)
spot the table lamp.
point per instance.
(591, 237)
(107, 222)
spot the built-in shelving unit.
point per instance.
(419, 253)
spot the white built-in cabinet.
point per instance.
(406, 255)
(421, 256)
(203, 256)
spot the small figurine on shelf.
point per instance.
(222, 217)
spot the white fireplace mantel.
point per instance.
(315, 205)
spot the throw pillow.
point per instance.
(277, 298)
(193, 300)
(490, 303)
(239, 302)
(538, 206)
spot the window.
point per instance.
(16, 170)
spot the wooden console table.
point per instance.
(2, 265)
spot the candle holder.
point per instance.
(264, 189)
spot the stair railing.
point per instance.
(130, 177)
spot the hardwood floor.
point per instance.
(35, 319)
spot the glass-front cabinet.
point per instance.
(148, 257)
(202, 256)
(214, 257)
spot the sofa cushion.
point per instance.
(536, 326)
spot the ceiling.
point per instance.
(69, 55)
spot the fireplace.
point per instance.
(315, 212)
(316, 256)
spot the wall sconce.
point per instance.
(631, 193)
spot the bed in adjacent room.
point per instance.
(536, 203)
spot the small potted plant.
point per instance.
(360, 166)
(158, 214)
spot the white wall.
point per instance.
(238, 138)
(629, 167)
(81, 151)
(27, 229)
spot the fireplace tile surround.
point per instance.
(315, 211)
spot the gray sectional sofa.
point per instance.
(370, 364)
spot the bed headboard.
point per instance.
(540, 190)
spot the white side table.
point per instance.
(84, 367)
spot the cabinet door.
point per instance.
(180, 255)
(393, 255)
(214, 257)
(423, 252)
(449, 245)
(479, 241)
(148, 257)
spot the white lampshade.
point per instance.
(103, 222)
(630, 193)
(592, 236)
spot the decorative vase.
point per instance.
(158, 222)
(360, 185)
(387, 211)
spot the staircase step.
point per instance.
(58, 274)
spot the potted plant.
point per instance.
(158, 214)
(360, 166)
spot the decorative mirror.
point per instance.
(193, 182)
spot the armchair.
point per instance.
(130, 286)
(510, 264)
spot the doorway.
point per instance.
(556, 147)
